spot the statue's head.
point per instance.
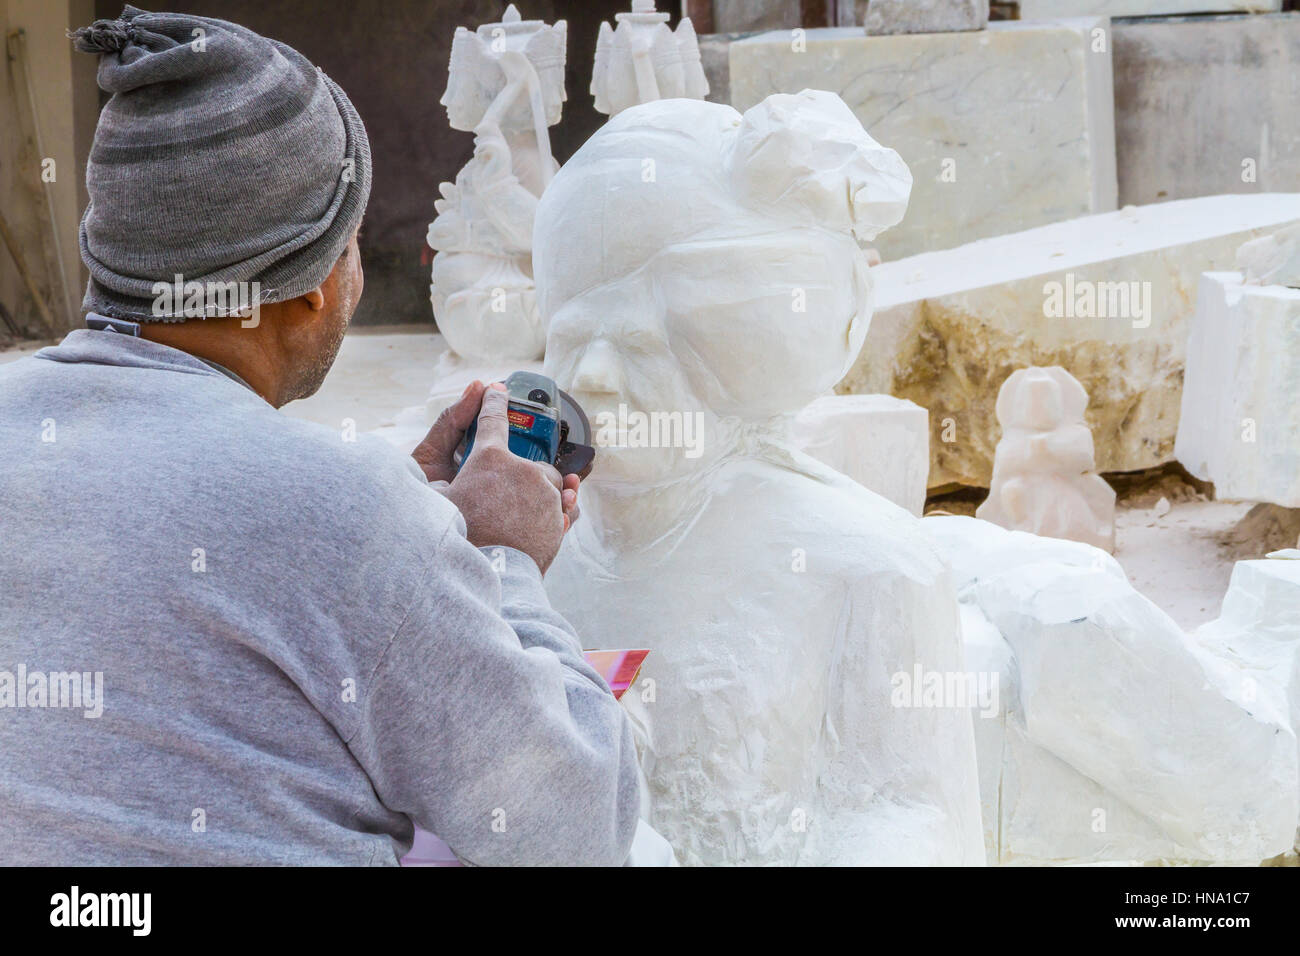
(483, 62)
(1040, 399)
(691, 260)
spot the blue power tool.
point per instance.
(545, 425)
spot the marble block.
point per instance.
(881, 442)
(1003, 129)
(1107, 297)
(1272, 260)
(1107, 734)
(1240, 425)
(1040, 9)
(1259, 627)
(737, 16)
(1206, 105)
(1257, 635)
(926, 16)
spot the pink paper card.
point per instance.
(619, 668)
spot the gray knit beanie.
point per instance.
(220, 157)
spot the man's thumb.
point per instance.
(493, 423)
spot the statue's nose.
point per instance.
(600, 371)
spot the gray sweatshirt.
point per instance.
(228, 637)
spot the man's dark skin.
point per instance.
(284, 356)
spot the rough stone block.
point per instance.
(715, 57)
(1240, 424)
(1003, 129)
(1040, 9)
(1107, 713)
(881, 442)
(741, 15)
(926, 16)
(1108, 298)
(1206, 106)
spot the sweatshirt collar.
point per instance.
(93, 347)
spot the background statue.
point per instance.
(702, 279)
(642, 61)
(1044, 470)
(506, 85)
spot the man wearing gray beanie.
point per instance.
(233, 637)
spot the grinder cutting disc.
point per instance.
(576, 454)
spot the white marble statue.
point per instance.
(1044, 471)
(1272, 259)
(506, 85)
(703, 281)
(642, 61)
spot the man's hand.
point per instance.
(505, 500)
(434, 453)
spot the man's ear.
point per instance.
(315, 299)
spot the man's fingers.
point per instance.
(436, 452)
(493, 425)
(569, 501)
(452, 421)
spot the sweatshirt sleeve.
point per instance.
(484, 724)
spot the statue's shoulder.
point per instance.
(850, 531)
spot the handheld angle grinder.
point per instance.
(546, 424)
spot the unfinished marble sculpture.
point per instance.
(1106, 734)
(1272, 260)
(642, 61)
(1044, 472)
(788, 609)
(926, 16)
(506, 85)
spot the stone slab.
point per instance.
(715, 57)
(949, 327)
(1206, 105)
(1113, 737)
(1004, 129)
(886, 17)
(881, 442)
(736, 16)
(1040, 9)
(1240, 423)
(1257, 635)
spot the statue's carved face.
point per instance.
(713, 330)
(685, 266)
(483, 63)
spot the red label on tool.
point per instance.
(520, 419)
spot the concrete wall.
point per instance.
(64, 96)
